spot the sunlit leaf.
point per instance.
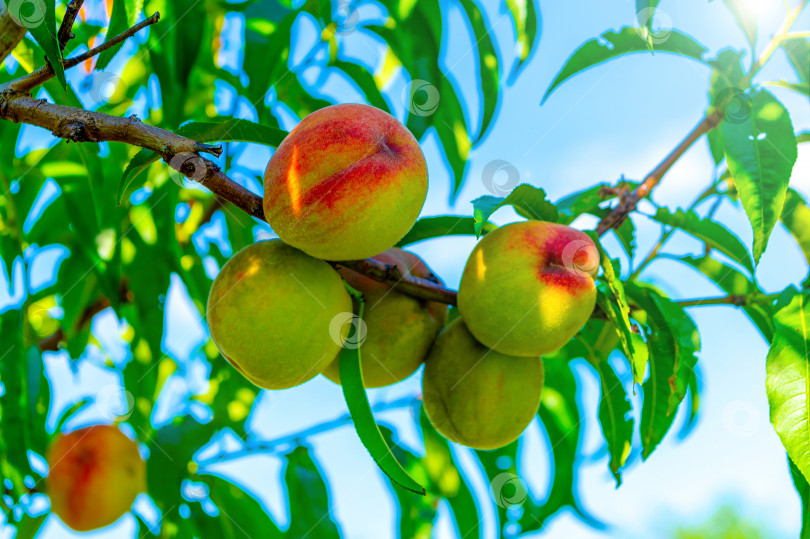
(788, 379)
(760, 150)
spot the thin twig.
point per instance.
(46, 72)
(66, 28)
(628, 202)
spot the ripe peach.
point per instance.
(270, 313)
(528, 287)
(95, 474)
(400, 328)
(347, 183)
(476, 396)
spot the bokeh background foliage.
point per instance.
(94, 236)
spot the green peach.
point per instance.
(529, 287)
(271, 311)
(476, 396)
(347, 183)
(399, 328)
(95, 474)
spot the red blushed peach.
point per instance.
(399, 328)
(348, 182)
(95, 474)
(529, 287)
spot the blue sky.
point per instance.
(619, 118)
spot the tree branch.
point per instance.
(11, 33)
(629, 200)
(46, 72)
(79, 125)
(66, 28)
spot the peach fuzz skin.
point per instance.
(400, 328)
(347, 183)
(95, 475)
(479, 397)
(529, 287)
(270, 313)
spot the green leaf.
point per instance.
(528, 201)
(613, 302)
(309, 500)
(587, 201)
(448, 481)
(626, 234)
(240, 514)
(488, 65)
(760, 151)
(627, 40)
(734, 282)
(787, 380)
(70, 412)
(141, 162)
(233, 130)
(525, 20)
(798, 51)
(597, 340)
(351, 378)
(43, 27)
(228, 130)
(796, 218)
(712, 233)
(673, 341)
(645, 14)
(416, 513)
(445, 225)
(560, 417)
(617, 427)
(746, 19)
(119, 23)
(803, 488)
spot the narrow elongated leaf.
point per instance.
(525, 20)
(446, 225)
(787, 380)
(230, 130)
(310, 511)
(119, 22)
(488, 64)
(597, 340)
(240, 514)
(673, 342)
(446, 478)
(614, 408)
(796, 218)
(734, 282)
(613, 300)
(613, 44)
(712, 233)
(803, 488)
(585, 201)
(645, 15)
(761, 150)
(746, 19)
(351, 379)
(42, 26)
(528, 201)
(798, 51)
(560, 417)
